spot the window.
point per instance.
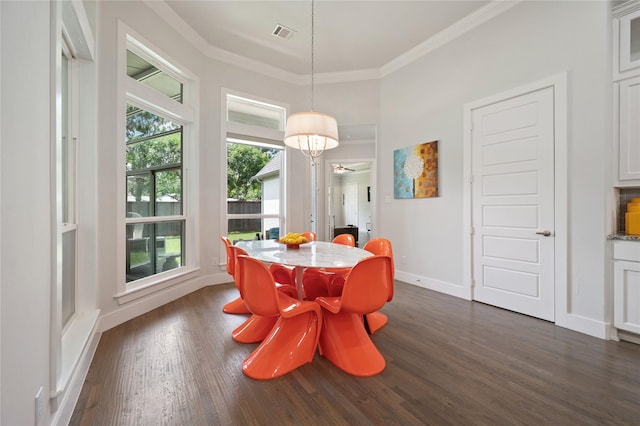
(255, 169)
(158, 140)
(66, 189)
(254, 180)
(154, 189)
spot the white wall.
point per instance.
(424, 101)
(25, 220)
(271, 200)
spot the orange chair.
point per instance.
(346, 239)
(310, 236)
(256, 327)
(344, 340)
(293, 340)
(282, 274)
(379, 246)
(315, 283)
(236, 306)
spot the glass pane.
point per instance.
(138, 195)
(143, 125)
(153, 248)
(68, 276)
(635, 39)
(66, 138)
(253, 229)
(141, 70)
(249, 111)
(168, 192)
(249, 169)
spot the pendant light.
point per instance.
(311, 132)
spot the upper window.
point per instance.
(249, 111)
(142, 71)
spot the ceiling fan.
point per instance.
(339, 169)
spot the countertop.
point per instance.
(624, 237)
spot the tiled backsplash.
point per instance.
(625, 195)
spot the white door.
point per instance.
(512, 145)
(351, 203)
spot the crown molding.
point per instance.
(346, 76)
(184, 29)
(464, 25)
(625, 8)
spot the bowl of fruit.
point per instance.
(292, 240)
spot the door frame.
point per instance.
(328, 182)
(559, 84)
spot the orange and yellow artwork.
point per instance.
(416, 171)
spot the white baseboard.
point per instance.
(589, 326)
(433, 284)
(574, 322)
(155, 300)
(67, 404)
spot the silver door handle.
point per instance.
(544, 233)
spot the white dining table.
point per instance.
(314, 254)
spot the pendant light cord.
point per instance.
(312, 50)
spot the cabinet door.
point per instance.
(626, 297)
(627, 42)
(629, 132)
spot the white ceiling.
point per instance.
(350, 36)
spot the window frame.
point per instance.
(67, 166)
(237, 132)
(185, 114)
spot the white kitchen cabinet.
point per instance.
(628, 132)
(626, 283)
(626, 38)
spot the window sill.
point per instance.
(74, 341)
(136, 291)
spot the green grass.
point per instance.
(171, 245)
(235, 236)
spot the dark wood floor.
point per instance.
(449, 362)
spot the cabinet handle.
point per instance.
(544, 233)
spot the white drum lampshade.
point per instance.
(311, 132)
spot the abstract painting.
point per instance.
(416, 171)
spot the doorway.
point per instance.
(349, 200)
(516, 203)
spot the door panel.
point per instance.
(513, 200)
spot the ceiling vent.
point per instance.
(283, 32)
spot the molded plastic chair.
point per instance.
(310, 236)
(236, 306)
(375, 320)
(256, 327)
(282, 274)
(379, 246)
(315, 283)
(344, 340)
(346, 239)
(293, 340)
